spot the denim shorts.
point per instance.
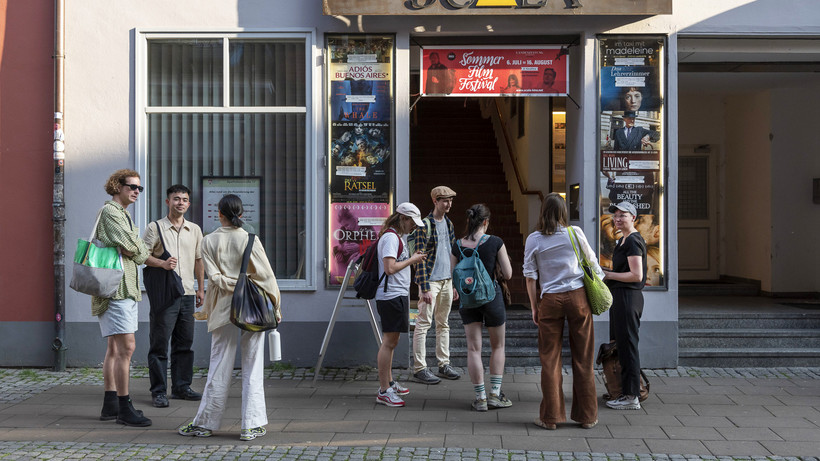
(120, 317)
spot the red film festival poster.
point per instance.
(494, 71)
(353, 228)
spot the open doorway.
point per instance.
(747, 157)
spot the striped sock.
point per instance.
(495, 382)
(480, 393)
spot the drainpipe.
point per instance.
(58, 203)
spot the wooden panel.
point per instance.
(693, 249)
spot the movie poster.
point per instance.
(354, 227)
(360, 147)
(495, 71)
(631, 80)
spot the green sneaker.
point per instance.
(498, 401)
(189, 430)
(250, 434)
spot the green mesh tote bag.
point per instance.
(598, 294)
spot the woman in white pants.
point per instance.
(222, 252)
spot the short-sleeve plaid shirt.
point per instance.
(117, 229)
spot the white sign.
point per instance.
(247, 189)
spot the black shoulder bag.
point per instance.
(251, 308)
(163, 287)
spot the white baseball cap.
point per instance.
(408, 209)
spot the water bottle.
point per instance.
(274, 346)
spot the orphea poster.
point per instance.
(631, 80)
(353, 228)
(495, 71)
(360, 146)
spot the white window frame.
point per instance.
(313, 90)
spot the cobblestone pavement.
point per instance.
(123, 451)
(18, 385)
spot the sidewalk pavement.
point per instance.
(691, 414)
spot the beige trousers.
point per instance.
(439, 310)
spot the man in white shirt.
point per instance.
(175, 322)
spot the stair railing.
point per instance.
(514, 155)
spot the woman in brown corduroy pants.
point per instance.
(555, 287)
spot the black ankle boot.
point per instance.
(128, 415)
(110, 407)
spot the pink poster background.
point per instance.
(497, 71)
(353, 228)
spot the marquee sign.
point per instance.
(497, 7)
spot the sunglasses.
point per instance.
(135, 187)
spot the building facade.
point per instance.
(273, 100)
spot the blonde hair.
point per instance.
(112, 186)
(393, 221)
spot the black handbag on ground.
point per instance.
(162, 286)
(252, 309)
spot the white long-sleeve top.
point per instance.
(222, 252)
(551, 260)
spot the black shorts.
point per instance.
(395, 314)
(493, 314)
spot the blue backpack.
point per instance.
(470, 278)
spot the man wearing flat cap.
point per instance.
(434, 278)
(631, 137)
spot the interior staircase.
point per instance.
(452, 145)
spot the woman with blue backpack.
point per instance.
(474, 259)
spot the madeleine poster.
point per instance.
(631, 78)
(495, 71)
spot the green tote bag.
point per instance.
(598, 294)
(97, 269)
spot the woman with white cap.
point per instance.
(626, 280)
(393, 298)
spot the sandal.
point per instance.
(543, 425)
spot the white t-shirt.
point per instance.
(398, 284)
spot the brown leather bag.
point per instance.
(608, 358)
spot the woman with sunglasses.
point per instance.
(118, 315)
(626, 280)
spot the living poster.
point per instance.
(495, 71)
(631, 80)
(360, 146)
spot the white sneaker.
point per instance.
(625, 402)
(389, 398)
(400, 390)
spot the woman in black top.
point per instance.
(625, 280)
(491, 252)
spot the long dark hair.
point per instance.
(476, 215)
(231, 207)
(553, 214)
